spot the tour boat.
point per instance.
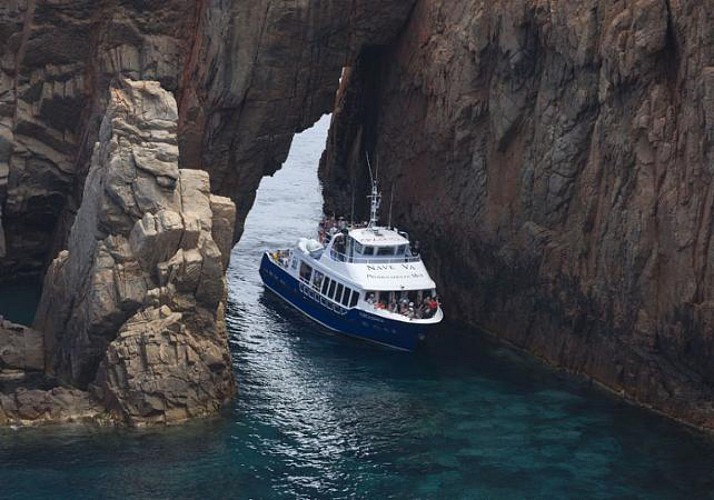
(362, 280)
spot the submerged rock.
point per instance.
(142, 273)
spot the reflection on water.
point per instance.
(319, 416)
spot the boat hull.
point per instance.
(402, 335)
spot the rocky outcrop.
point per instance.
(557, 152)
(27, 397)
(133, 310)
(58, 405)
(555, 160)
(247, 75)
(57, 59)
(273, 71)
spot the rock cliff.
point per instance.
(132, 303)
(553, 157)
(247, 75)
(555, 160)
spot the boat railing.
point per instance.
(343, 257)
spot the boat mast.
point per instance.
(375, 198)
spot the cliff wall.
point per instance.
(247, 75)
(113, 188)
(555, 160)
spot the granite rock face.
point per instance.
(141, 250)
(130, 233)
(247, 75)
(57, 405)
(57, 59)
(555, 159)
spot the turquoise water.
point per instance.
(318, 416)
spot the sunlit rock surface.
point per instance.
(247, 75)
(133, 310)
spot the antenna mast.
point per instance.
(391, 199)
(375, 198)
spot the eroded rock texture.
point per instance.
(57, 59)
(273, 71)
(133, 309)
(247, 74)
(555, 158)
(21, 348)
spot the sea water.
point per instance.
(319, 416)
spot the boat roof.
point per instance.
(378, 236)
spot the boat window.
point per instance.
(401, 249)
(305, 271)
(346, 296)
(385, 250)
(325, 284)
(338, 293)
(368, 250)
(331, 293)
(355, 298)
(317, 280)
(358, 246)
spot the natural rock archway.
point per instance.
(132, 307)
(553, 157)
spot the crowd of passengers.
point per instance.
(282, 256)
(424, 309)
(329, 226)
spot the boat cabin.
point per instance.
(370, 245)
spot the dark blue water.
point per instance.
(17, 301)
(317, 416)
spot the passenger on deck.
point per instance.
(431, 306)
(370, 299)
(416, 248)
(340, 247)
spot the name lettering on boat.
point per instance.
(391, 267)
(393, 271)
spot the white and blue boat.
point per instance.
(365, 281)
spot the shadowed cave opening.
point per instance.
(19, 300)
